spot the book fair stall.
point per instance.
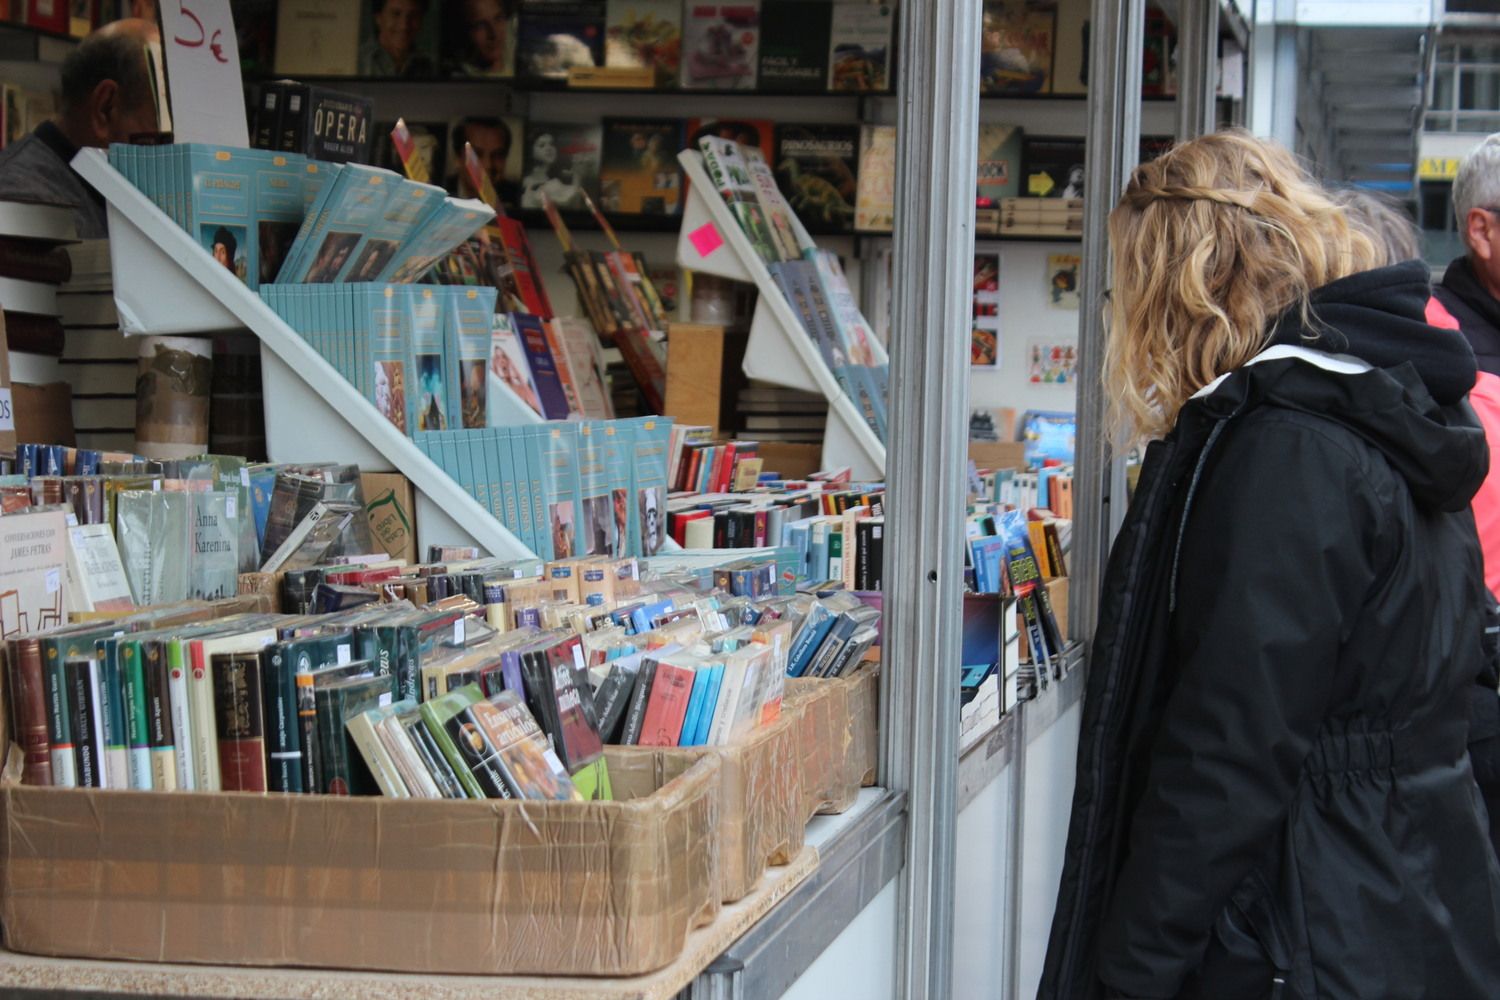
(636, 428)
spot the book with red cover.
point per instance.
(577, 736)
(239, 713)
(667, 707)
(523, 268)
(48, 15)
(31, 711)
(682, 520)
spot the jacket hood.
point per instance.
(1370, 361)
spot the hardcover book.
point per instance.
(875, 199)
(1054, 167)
(1016, 46)
(817, 169)
(645, 33)
(316, 38)
(721, 45)
(794, 45)
(399, 40)
(638, 173)
(562, 161)
(859, 54)
(337, 703)
(239, 714)
(559, 35)
(999, 164)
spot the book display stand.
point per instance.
(779, 350)
(166, 284)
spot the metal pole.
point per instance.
(1197, 67)
(937, 131)
(1113, 147)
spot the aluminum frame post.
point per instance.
(1197, 67)
(1112, 149)
(936, 157)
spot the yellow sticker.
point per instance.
(1040, 185)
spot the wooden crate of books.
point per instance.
(493, 887)
(837, 737)
(760, 798)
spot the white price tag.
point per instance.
(231, 507)
(458, 632)
(7, 412)
(54, 581)
(244, 477)
(203, 72)
(344, 654)
(385, 699)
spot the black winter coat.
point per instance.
(1273, 796)
(1476, 310)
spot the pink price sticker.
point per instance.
(706, 239)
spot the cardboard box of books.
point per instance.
(478, 887)
(760, 797)
(836, 735)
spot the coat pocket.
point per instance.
(1247, 956)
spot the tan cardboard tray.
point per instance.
(495, 887)
(58, 977)
(760, 798)
(837, 736)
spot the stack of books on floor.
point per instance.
(34, 264)
(98, 361)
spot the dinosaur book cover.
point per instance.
(817, 168)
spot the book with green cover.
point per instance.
(338, 702)
(465, 743)
(137, 699)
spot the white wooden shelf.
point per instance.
(779, 350)
(166, 284)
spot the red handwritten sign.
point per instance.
(203, 72)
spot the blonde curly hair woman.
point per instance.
(1274, 797)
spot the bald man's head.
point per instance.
(106, 89)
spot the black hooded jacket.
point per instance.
(1273, 796)
(1477, 312)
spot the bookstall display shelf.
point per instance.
(166, 284)
(778, 351)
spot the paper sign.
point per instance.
(1040, 184)
(204, 88)
(706, 239)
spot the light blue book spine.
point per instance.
(388, 352)
(695, 707)
(278, 212)
(221, 219)
(533, 443)
(314, 224)
(513, 485)
(407, 205)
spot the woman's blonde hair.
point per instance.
(1210, 243)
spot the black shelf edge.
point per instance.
(11, 28)
(548, 87)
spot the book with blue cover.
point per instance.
(597, 532)
(279, 180)
(221, 206)
(407, 205)
(619, 445)
(543, 366)
(427, 393)
(469, 314)
(560, 484)
(453, 223)
(649, 459)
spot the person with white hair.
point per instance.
(1470, 289)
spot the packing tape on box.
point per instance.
(502, 887)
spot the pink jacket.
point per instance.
(1485, 398)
